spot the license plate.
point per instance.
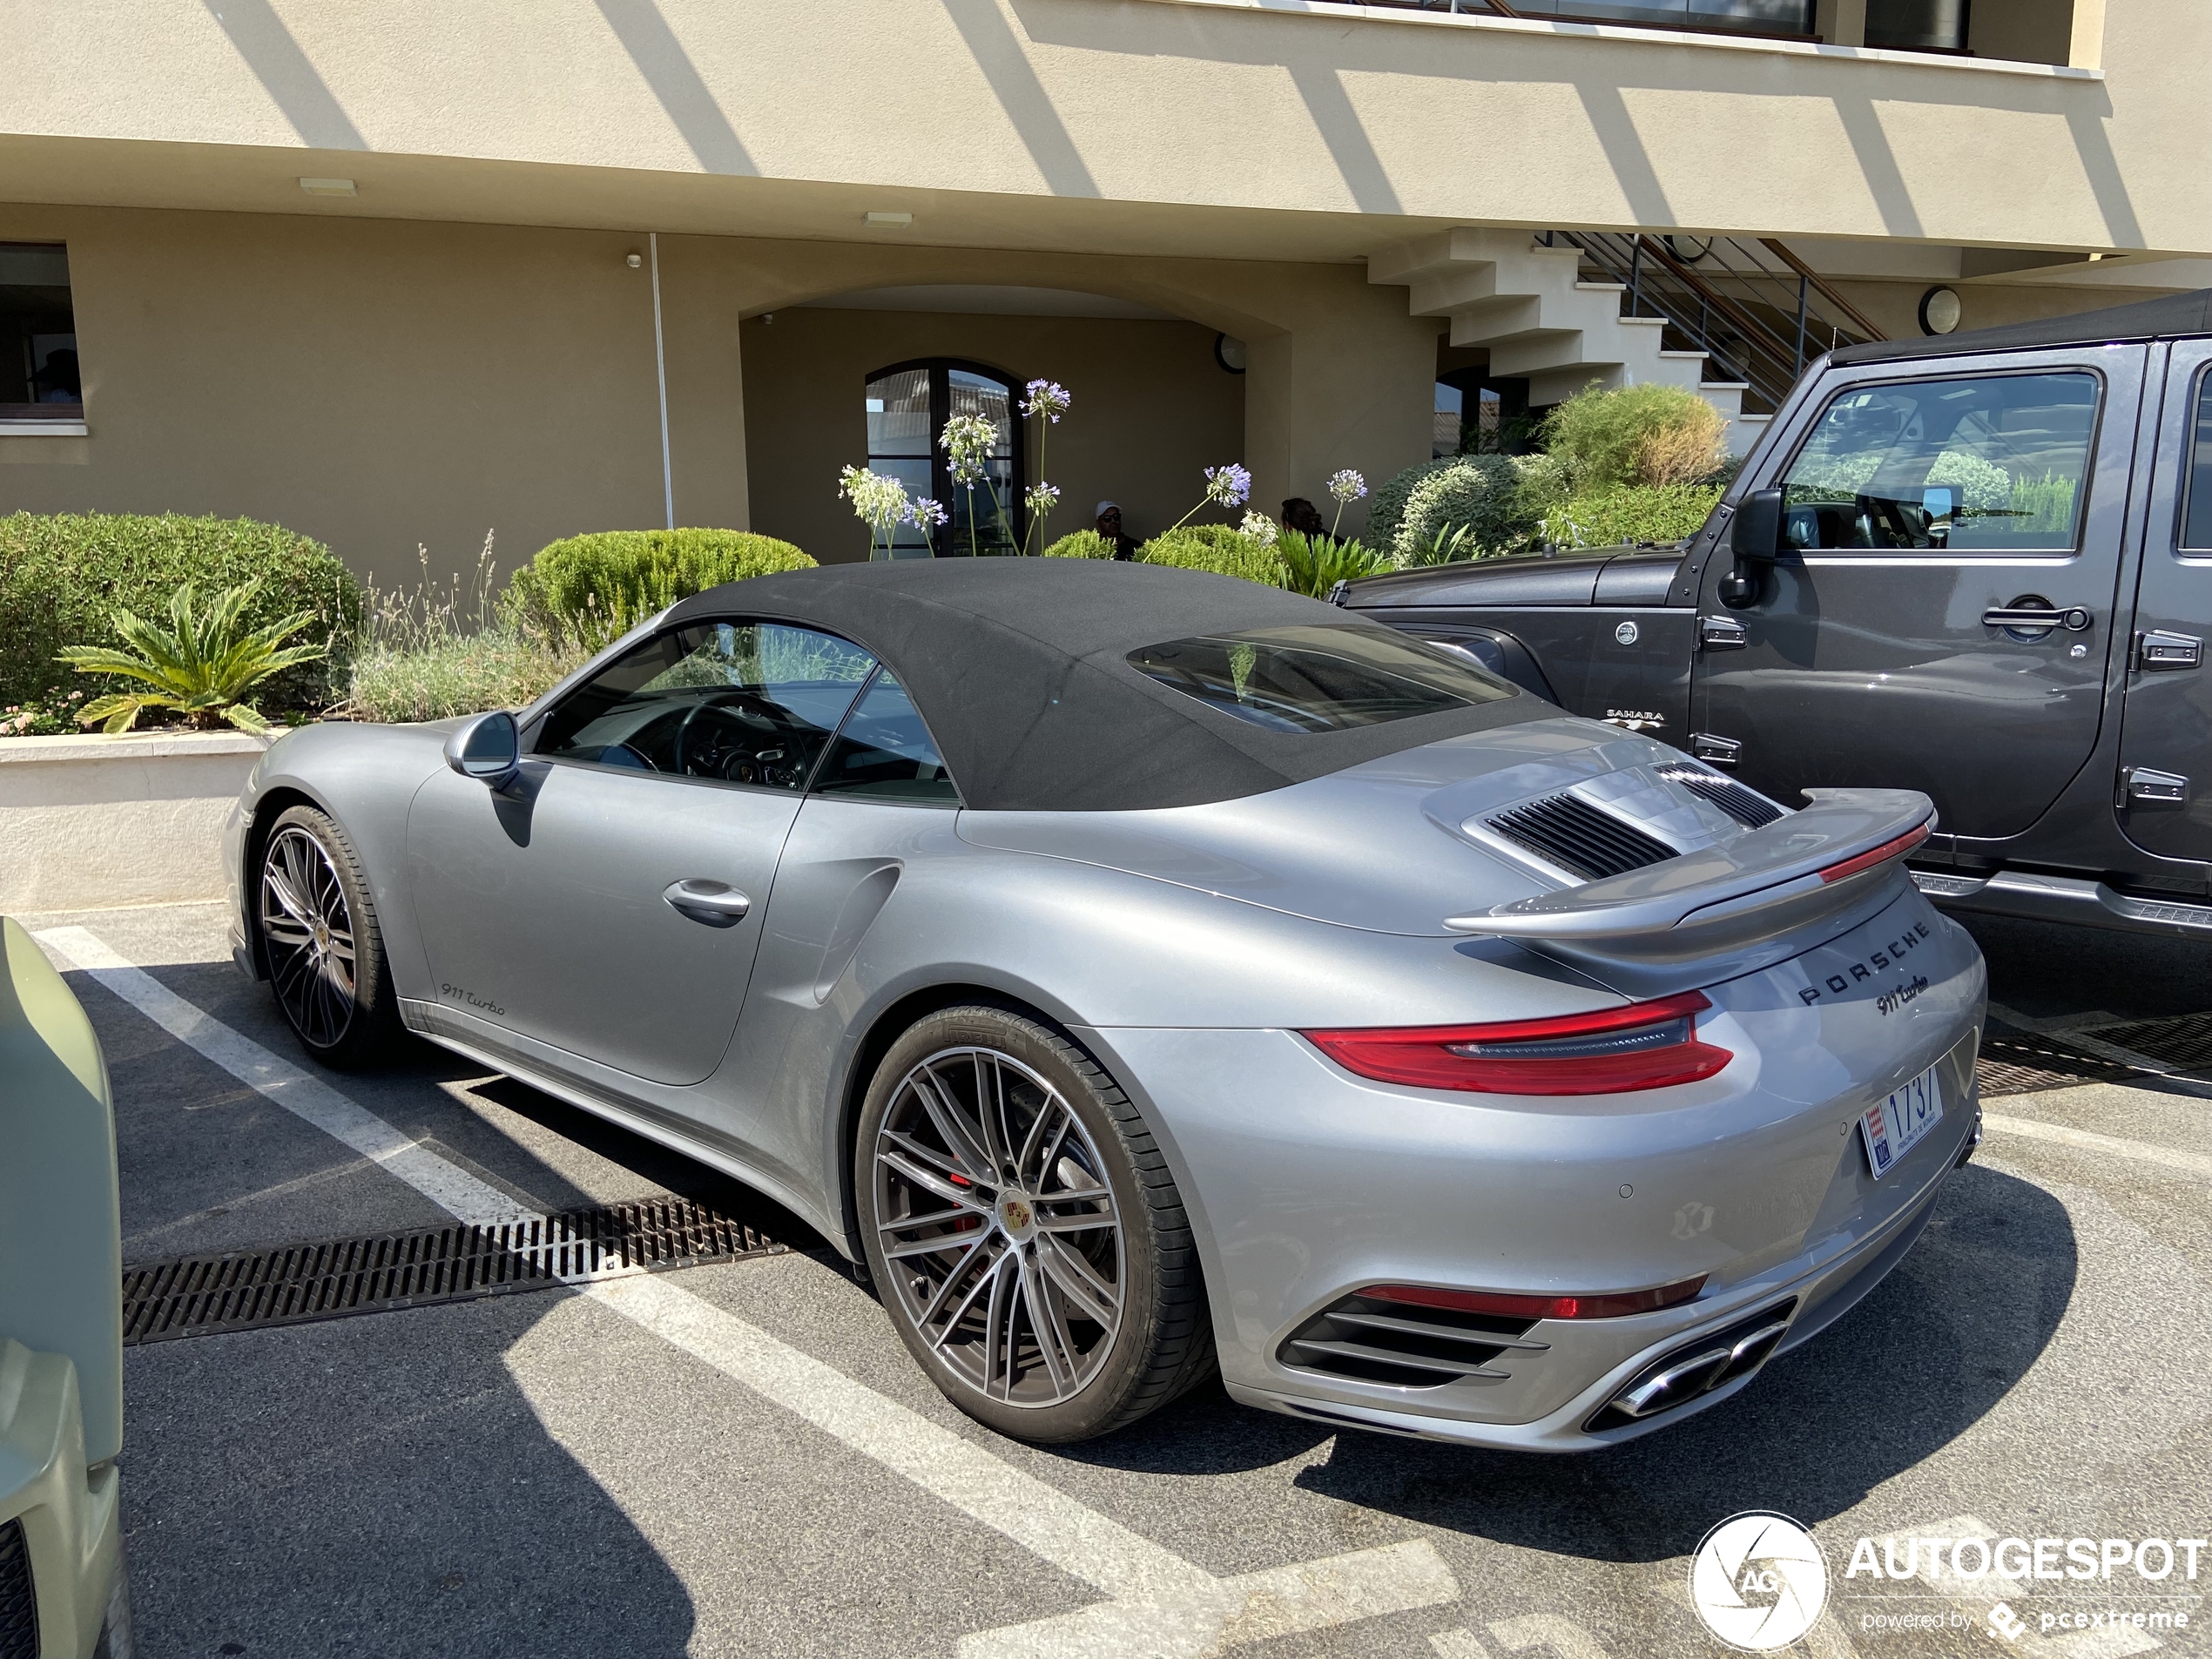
(1900, 1122)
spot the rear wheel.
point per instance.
(318, 933)
(1024, 1230)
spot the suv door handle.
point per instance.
(2073, 618)
(716, 903)
(1721, 633)
(2155, 649)
(2145, 784)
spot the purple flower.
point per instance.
(1231, 485)
(1048, 398)
(925, 513)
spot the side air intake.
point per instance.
(1577, 836)
(1377, 1341)
(1746, 806)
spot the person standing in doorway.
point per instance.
(1110, 526)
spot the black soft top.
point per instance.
(2176, 315)
(1018, 665)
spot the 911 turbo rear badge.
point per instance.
(1875, 961)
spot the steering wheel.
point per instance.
(778, 723)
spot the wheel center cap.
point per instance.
(1014, 1215)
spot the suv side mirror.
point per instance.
(487, 749)
(1756, 540)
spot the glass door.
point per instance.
(908, 405)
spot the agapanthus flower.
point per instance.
(1048, 398)
(1042, 498)
(881, 502)
(1347, 485)
(1231, 485)
(968, 441)
(1260, 527)
(924, 513)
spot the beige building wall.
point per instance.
(1151, 410)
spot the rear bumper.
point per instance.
(70, 1517)
(1308, 1184)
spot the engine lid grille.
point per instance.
(1744, 803)
(1578, 837)
(1374, 1341)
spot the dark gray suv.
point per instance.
(1980, 566)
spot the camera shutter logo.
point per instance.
(1759, 1582)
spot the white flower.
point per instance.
(968, 441)
(879, 502)
(1260, 527)
(1347, 485)
(1231, 485)
(1048, 398)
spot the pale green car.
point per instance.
(63, 1594)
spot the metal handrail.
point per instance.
(1757, 325)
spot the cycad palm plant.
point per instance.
(1317, 564)
(201, 666)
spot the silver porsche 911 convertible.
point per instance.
(1139, 970)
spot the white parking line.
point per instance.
(2110, 1145)
(1160, 1606)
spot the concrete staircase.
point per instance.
(1530, 306)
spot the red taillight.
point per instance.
(1614, 1051)
(1881, 854)
(1540, 1307)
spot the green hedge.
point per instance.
(63, 575)
(1216, 548)
(1081, 544)
(1632, 513)
(593, 588)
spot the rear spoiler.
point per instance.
(1848, 846)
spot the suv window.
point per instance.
(884, 752)
(2196, 516)
(1327, 678)
(1997, 463)
(733, 702)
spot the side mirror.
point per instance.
(487, 749)
(1756, 538)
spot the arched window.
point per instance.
(907, 406)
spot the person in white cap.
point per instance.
(1110, 526)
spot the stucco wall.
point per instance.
(1151, 408)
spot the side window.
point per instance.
(732, 702)
(885, 752)
(2196, 514)
(38, 377)
(1996, 463)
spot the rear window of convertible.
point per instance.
(1327, 679)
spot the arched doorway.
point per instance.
(908, 406)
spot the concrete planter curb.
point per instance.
(88, 822)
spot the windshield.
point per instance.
(1324, 679)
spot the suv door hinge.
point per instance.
(2142, 784)
(2155, 649)
(1721, 633)
(1718, 751)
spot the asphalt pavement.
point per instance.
(741, 1458)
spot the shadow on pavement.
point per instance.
(1939, 1344)
(375, 1486)
(2048, 971)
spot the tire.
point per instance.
(324, 950)
(1062, 1303)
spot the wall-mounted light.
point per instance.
(1940, 310)
(1228, 354)
(328, 186)
(633, 260)
(886, 221)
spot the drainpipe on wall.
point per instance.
(660, 369)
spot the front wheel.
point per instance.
(1024, 1230)
(324, 950)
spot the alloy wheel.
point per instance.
(309, 934)
(999, 1228)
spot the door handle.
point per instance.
(1716, 751)
(2143, 783)
(2036, 615)
(716, 903)
(2155, 649)
(1721, 633)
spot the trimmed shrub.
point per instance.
(1636, 435)
(1387, 507)
(1218, 549)
(592, 589)
(63, 576)
(1081, 544)
(1629, 513)
(1482, 493)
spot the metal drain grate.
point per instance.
(2018, 1062)
(198, 1296)
(2184, 1042)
